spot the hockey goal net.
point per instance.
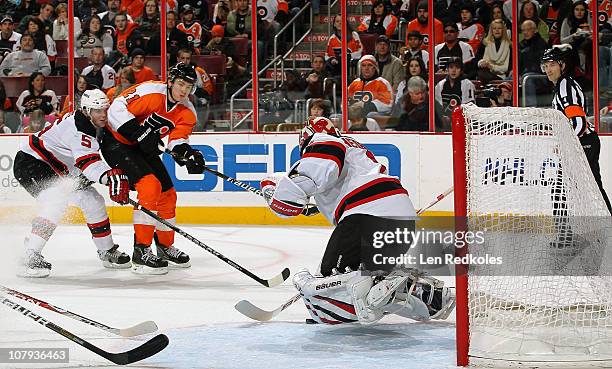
(523, 180)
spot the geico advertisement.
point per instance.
(246, 157)
(249, 157)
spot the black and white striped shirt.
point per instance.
(569, 99)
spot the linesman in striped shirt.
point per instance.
(569, 99)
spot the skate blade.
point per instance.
(108, 265)
(173, 265)
(33, 273)
(445, 311)
(145, 270)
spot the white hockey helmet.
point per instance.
(316, 125)
(94, 99)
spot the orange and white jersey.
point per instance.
(193, 32)
(140, 101)
(377, 91)
(389, 23)
(204, 81)
(69, 147)
(345, 178)
(473, 34)
(267, 9)
(334, 47)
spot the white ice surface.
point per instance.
(194, 307)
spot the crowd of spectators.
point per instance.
(388, 83)
(472, 58)
(116, 37)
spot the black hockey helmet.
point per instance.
(183, 71)
(557, 53)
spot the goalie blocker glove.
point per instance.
(148, 134)
(185, 155)
(291, 200)
(118, 185)
(284, 196)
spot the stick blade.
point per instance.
(139, 329)
(247, 309)
(277, 280)
(147, 349)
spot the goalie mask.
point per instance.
(316, 125)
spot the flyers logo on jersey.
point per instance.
(364, 96)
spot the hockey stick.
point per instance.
(248, 309)
(272, 282)
(238, 183)
(309, 209)
(439, 198)
(137, 330)
(147, 349)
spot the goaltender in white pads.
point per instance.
(356, 194)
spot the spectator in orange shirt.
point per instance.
(421, 24)
(132, 7)
(126, 80)
(142, 73)
(375, 91)
(127, 35)
(473, 32)
(334, 46)
(379, 21)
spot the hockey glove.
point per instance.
(185, 155)
(289, 201)
(158, 124)
(118, 186)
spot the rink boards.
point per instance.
(423, 162)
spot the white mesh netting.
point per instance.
(530, 188)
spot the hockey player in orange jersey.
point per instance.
(138, 118)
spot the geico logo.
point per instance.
(6, 163)
(328, 285)
(231, 159)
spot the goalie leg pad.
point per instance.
(326, 298)
(359, 287)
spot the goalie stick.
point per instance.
(246, 308)
(309, 209)
(147, 349)
(137, 330)
(272, 282)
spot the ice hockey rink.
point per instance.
(195, 307)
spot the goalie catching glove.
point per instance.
(118, 185)
(185, 155)
(286, 198)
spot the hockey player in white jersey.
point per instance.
(57, 167)
(355, 193)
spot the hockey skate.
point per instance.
(440, 304)
(34, 266)
(144, 261)
(407, 292)
(114, 258)
(175, 257)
